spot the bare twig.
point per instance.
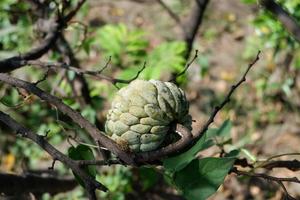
(95, 74)
(98, 162)
(169, 11)
(278, 180)
(226, 100)
(43, 78)
(185, 68)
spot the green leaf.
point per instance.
(249, 1)
(223, 131)
(148, 176)
(165, 58)
(83, 152)
(178, 162)
(89, 113)
(201, 178)
(126, 47)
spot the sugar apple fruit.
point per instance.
(143, 112)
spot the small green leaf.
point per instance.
(201, 178)
(82, 152)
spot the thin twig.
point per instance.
(226, 100)
(169, 11)
(188, 139)
(278, 180)
(95, 74)
(185, 68)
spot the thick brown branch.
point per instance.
(191, 26)
(186, 138)
(55, 27)
(291, 25)
(75, 116)
(89, 182)
(293, 165)
(12, 184)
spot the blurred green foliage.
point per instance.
(15, 29)
(129, 49)
(281, 52)
(126, 47)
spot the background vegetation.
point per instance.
(117, 38)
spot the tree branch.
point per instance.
(90, 184)
(96, 134)
(55, 27)
(278, 180)
(187, 138)
(191, 26)
(293, 165)
(226, 100)
(12, 184)
(290, 23)
(169, 11)
(96, 74)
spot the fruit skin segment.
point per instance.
(143, 112)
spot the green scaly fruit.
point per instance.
(143, 112)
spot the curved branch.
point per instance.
(186, 138)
